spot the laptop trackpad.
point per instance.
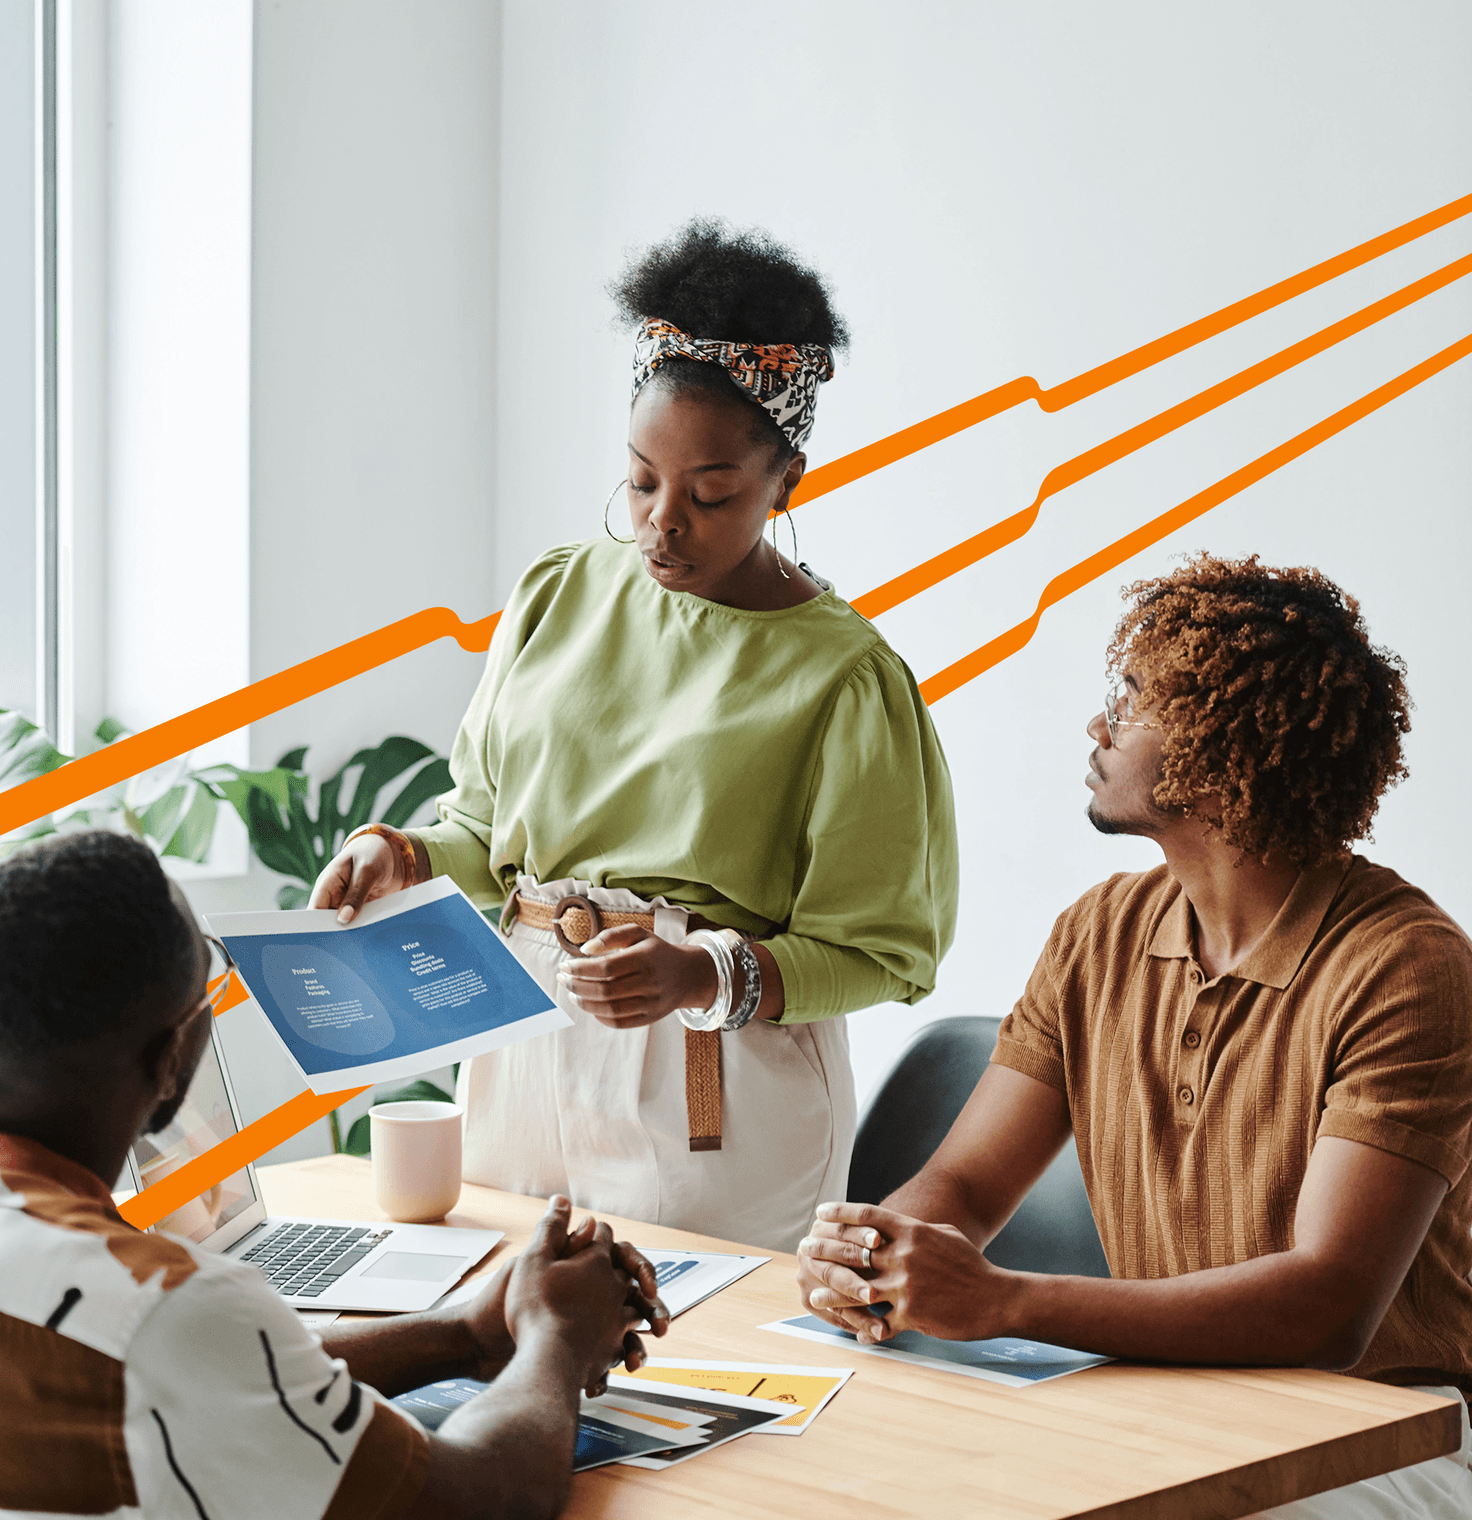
(407, 1266)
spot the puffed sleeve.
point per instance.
(875, 905)
(459, 845)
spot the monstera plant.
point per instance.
(171, 806)
(174, 807)
(291, 839)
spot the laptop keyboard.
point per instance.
(305, 1260)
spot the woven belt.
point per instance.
(576, 920)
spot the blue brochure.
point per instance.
(599, 1440)
(1005, 1360)
(417, 980)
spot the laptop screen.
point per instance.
(204, 1119)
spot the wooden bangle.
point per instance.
(403, 848)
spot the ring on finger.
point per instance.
(868, 1258)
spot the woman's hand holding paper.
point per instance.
(364, 869)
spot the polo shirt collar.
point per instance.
(26, 1157)
(1276, 957)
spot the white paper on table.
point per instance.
(419, 954)
(628, 1415)
(758, 1373)
(687, 1278)
(466, 1291)
(1009, 1360)
(317, 1317)
(686, 1404)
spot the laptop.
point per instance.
(311, 1263)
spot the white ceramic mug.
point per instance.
(416, 1159)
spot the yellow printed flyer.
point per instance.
(807, 1389)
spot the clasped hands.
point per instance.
(579, 1284)
(930, 1277)
(627, 977)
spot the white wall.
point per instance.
(441, 193)
(372, 437)
(1007, 190)
(178, 359)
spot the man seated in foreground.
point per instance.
(1263, 1047)
(139, 1374)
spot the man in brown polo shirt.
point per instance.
(1262, 1047)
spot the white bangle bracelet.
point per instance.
(703, 1019)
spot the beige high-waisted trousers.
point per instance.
(599, 1113)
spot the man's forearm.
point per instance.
(938, 1196)
(404, 1351)
(512, 1446)
(1278, 1310)
(1010, 1129)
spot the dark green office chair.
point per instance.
(908, 1117)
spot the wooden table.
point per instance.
(1147, 1443)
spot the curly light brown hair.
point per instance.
(1282, 721)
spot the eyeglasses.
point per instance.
(222, 970)
(1119, 710)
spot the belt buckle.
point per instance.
(595, 920)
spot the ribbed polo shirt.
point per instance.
(1196, 1102)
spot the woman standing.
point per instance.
(687, 732)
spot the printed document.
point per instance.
(805, 1390)
(416, 980)
(1016, 1363)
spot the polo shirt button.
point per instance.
(1186, 1095)
(1190, 1039)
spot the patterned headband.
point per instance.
(782, 378)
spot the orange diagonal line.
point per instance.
(1010, 529)
(140, 752)
(255, 1140)
(220, 1161)
(237, 994)
(21, 804)
(972, 665)
(874, 456)
(80, 778)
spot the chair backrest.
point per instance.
(908, 1117)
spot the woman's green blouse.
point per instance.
(776, 771)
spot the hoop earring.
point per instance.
(606, 505)
(792, 530)
(780, 571)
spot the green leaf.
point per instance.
(305, 839)
(191, 839)
(380, 766)
(271, 839)
(293, 759)
(292, 896)
(159, 819)
(232, 783)
(433, 780)
(359, 1141)
(108, 730)
(418, 1091)
(329, 818)
(25, 752)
